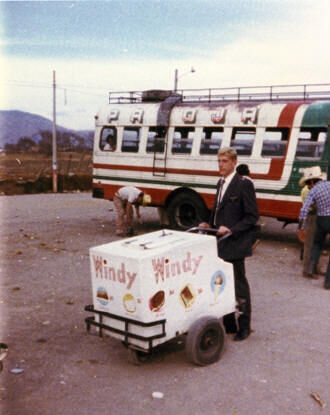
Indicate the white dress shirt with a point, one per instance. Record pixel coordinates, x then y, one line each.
227 179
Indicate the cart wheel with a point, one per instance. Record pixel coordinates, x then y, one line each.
138 357
205 341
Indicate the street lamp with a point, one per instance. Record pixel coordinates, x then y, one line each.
176 77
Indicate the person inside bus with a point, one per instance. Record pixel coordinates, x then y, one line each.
234 215
311 176
124 200
111 143
319 196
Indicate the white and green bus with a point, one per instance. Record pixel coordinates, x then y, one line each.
166 144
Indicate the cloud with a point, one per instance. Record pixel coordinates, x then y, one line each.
287 52
292 51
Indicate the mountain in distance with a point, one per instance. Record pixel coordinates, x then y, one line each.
16 124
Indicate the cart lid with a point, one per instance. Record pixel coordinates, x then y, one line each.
156 240
152 243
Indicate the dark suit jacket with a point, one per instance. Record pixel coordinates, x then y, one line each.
238 211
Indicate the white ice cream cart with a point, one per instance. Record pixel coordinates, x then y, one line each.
154 287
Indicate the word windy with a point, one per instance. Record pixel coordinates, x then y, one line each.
120 275
164 268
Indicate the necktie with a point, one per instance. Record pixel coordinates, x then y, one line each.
222 182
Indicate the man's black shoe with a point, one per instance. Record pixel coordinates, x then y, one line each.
241 335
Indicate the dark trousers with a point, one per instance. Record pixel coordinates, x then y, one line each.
322 229
242 291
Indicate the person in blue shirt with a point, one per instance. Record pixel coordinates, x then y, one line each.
311 176
319 196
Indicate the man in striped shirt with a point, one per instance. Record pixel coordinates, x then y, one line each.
320 197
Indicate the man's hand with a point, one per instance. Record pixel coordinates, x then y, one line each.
223 230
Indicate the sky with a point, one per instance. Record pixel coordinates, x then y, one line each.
119 45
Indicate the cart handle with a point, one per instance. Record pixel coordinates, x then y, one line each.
208 230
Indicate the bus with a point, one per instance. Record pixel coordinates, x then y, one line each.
166 144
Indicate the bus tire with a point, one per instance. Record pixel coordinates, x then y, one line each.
205 341
186 210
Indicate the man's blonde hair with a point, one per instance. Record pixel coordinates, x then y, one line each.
229 152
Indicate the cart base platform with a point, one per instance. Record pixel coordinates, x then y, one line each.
126 332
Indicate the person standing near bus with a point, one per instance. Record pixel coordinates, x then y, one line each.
310 177
235 214
320 197
243 170
124 200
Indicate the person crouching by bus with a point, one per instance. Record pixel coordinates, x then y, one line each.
311 176
124 200
235 214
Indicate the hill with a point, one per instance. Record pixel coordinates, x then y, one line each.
17 124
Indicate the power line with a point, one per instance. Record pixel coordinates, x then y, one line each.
77 89
47 85
81 92
26 84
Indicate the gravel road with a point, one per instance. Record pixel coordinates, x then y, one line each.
45 284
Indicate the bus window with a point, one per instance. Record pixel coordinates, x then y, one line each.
182 140
108 141
311 142
131 139
242 140
274 142
156 140
211 140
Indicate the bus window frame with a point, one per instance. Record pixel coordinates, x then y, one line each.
243 141
161 139
138 128
105 127
189 142
203 141
313 141
284 139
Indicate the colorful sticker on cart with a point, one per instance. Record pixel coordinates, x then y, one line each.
187 296
157 301
218 282
129 303
102 296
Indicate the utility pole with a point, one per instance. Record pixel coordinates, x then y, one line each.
176 77
54 144
175 80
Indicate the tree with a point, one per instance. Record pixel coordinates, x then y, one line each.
45 144
24 144
10 148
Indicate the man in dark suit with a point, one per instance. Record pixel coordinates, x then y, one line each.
235 214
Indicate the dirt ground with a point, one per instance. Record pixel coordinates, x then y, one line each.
282 368
26 173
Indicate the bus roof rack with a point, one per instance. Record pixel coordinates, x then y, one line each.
298 92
